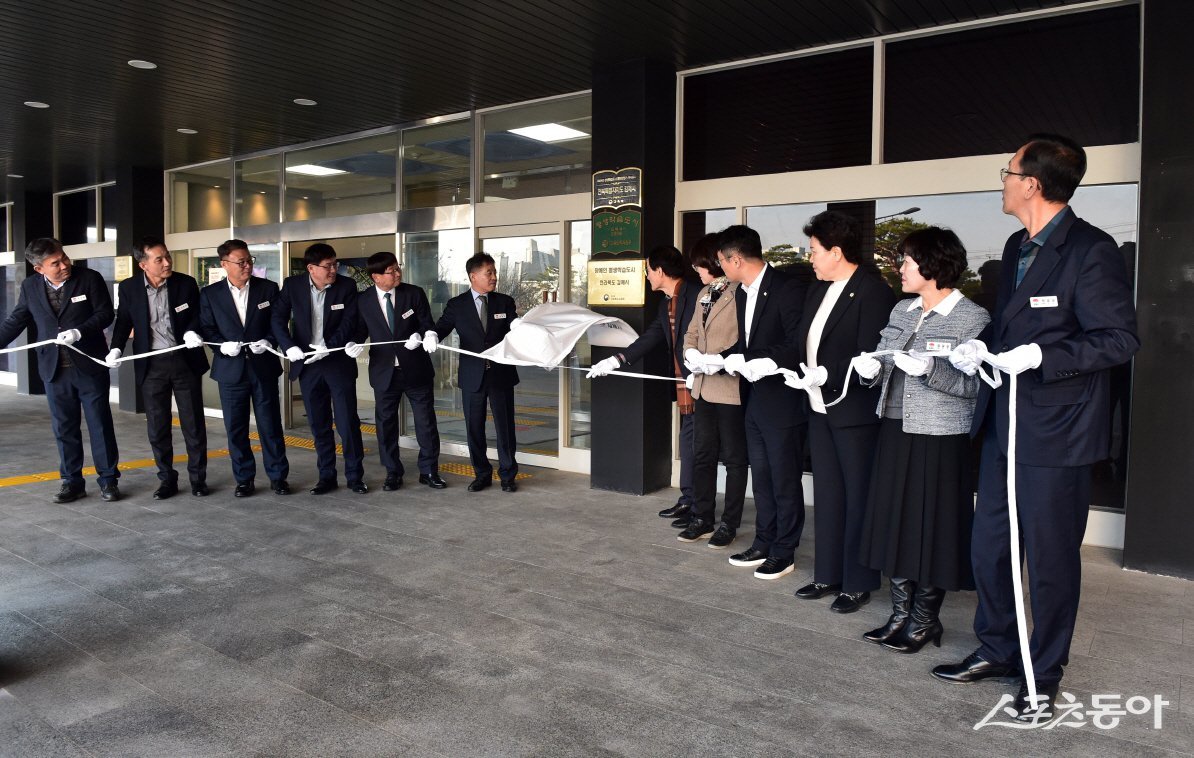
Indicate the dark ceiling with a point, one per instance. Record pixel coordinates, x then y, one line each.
231 70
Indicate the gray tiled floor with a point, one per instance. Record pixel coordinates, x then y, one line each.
556 621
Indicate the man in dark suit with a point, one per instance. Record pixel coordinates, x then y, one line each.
75 306
324 310
770 304
236 313
389 311
666 269
160 308
482 318
1063 318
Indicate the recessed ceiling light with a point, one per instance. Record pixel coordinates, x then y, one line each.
262 192
549 132
135 63
215 186
16 176
36 104
304 101
306 198
311 169
186 131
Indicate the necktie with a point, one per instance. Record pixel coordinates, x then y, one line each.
390 310
483 310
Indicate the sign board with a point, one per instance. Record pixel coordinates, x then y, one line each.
123 268
614 282
618 189
617 232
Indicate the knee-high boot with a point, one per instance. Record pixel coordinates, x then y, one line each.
924 624
901 605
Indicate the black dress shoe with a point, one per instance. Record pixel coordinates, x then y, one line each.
244 489
360 487
973 668
1042 710
391 483
682 522
748 558
324 486
280 486
433 481
675 511
111 493
166 491
480 483
199 489
697 529
69 493
817 590
848 602
509 487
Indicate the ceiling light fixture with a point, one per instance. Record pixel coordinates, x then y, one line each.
304 101
16 176
311 169
146 65
186 131
549 132
36 104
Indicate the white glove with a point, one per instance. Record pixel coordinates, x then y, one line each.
694 360
734 363
413 342
689 380
113 356
259 347
711 363
758 368
814 376
514 324
191 339
320 353
431 341
295 354
1018 359
230 348
966 357
912 365
353 350
603 367
794 380
866 366
68 337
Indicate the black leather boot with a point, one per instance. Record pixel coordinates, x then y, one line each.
901 605
923 624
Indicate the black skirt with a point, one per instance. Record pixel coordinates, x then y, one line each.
920 508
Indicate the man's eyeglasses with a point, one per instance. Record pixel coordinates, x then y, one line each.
392 272
1005 173
242 262
326 266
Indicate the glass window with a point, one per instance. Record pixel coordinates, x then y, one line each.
77 217
9 293
106 267
780 229
964 93
794 115
5 229
435 164
257 190
199 198
108 211
696 224
578 388
538 150
344 179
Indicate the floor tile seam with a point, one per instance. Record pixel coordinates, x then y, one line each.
35 713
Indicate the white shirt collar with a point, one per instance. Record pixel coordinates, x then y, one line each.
754 286
944 307
236 289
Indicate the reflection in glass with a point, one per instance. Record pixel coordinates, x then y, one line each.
9 293
257 190
199 198
344 179
578 388
435 164
538 150
77 217
696 224
780 229
108 211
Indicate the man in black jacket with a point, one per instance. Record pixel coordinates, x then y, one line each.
389 311
236 313
161 309
75 306
482 318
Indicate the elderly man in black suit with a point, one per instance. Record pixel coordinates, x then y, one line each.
389 311
236 313
160 308
1063 319
324 310
74 305
482 318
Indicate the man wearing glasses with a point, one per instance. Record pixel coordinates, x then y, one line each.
236 314
393 311
317 311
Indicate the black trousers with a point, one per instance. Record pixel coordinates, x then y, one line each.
235 399
72 395
422 408
775 453
1053 505
501 401
687 446
842 462
329 394
719 432
168 376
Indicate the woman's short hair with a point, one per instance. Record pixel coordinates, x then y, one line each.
938 253
704 254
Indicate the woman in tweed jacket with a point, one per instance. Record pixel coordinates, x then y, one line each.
921 503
